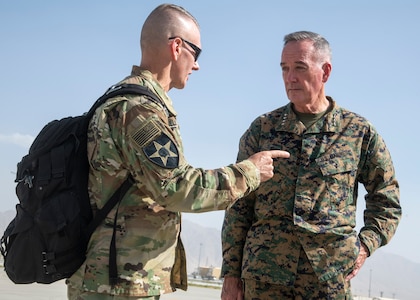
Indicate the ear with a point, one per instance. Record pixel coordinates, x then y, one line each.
175 48
326 67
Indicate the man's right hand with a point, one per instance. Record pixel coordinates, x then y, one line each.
232 289
264 162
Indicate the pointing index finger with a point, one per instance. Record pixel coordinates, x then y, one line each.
279 153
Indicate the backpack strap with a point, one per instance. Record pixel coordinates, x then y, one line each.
123 89
116 197
117 90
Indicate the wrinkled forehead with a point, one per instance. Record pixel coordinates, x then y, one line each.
296 51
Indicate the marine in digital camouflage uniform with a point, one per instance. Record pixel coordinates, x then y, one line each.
294 237
133 135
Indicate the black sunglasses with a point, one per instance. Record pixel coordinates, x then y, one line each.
196 49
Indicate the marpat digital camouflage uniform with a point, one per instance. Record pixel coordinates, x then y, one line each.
133 135
310 203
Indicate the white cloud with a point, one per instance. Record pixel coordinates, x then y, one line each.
22 140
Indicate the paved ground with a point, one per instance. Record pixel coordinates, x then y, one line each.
57 291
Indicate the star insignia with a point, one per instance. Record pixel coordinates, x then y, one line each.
163 152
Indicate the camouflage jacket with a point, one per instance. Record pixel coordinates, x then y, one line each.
310 203
131 134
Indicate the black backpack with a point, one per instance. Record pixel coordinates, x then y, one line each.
47 239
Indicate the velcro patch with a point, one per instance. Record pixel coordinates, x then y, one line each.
163 152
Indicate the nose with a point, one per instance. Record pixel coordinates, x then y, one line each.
196 66
289 76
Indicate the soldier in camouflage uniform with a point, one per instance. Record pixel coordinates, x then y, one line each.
132 135
294 237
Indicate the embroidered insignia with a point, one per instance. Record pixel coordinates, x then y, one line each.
163 152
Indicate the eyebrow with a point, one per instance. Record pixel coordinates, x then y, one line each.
299 62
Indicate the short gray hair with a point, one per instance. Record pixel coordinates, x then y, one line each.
321 45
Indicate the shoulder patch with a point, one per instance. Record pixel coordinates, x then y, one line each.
163 152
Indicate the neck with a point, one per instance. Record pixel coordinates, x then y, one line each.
160 75
318 106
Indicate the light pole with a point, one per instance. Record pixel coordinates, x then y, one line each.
199 258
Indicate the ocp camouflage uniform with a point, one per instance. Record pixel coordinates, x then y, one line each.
131 134
310 203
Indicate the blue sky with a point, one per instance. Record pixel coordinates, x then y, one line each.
57 57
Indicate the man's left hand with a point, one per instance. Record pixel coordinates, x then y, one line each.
363 254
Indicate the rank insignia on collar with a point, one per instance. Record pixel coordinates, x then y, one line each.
163 152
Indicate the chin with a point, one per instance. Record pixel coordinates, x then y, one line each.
178 86
182 85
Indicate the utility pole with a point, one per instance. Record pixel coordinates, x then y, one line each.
370 280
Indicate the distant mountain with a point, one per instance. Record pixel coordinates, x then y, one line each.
388 275
5 218
202 245
384 275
